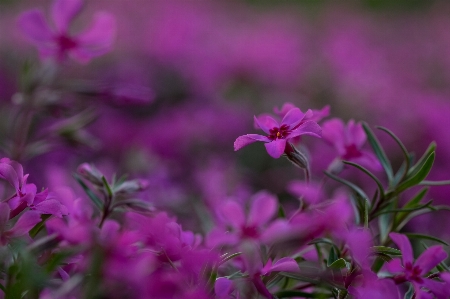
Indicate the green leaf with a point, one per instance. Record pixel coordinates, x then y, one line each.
97 201
371 175
417 176
435 183
402 147
107 186
417 208
339 264
366 213
426 237
281 212
384 223
413 203
352 186
414 169
410 293
39 226
386 250
379 151
332 257
229 257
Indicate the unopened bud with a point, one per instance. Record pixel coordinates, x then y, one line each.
90 173
131 187
298 158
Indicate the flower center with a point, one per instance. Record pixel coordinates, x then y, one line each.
65 43
351 151
279 133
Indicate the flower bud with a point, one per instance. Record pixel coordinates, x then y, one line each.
90 173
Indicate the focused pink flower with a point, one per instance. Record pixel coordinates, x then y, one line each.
416 271
278 135
57 43
348 141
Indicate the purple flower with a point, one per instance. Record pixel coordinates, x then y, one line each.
279 134
22 227
416 271
57 43
348 141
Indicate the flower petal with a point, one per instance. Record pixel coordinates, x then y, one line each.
232 213
8 173
33 25
293 117
97 40
223 287
404 245
356 134
264 207
430 258
25 223
63 11
333 133
395 266
4 215
244 140
266 122
276 148
307 128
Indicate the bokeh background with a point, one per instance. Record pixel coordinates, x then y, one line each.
186 77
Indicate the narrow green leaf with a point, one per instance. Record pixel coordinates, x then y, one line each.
414 202
281 212
416 167
366 213
371 175
402 147
229 257
426 237
97 201
435 183
410 293
400 210
418 176
352 186
386 250
39 226
332 257
379 151
107 186
384 224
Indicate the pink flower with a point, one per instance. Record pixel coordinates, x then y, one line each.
22 227
279 134
57 43
348 142
416 271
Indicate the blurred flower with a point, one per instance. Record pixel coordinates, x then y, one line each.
22 227
348 141
57 43
415 272
278 134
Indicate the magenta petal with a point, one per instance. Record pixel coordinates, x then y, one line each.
333 133
284 109
9 174
53 207
33 24
285 264
439 289
404 245
307 128
356 133
430 258
223 287
276 148
266 123
264 207
218 237
293 117
244 140
232 213
63 11
98 39
26 222
395 266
